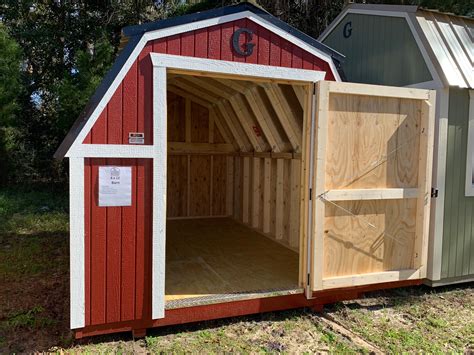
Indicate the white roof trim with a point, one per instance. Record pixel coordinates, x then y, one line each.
170 31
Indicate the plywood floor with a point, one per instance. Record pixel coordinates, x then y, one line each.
212 256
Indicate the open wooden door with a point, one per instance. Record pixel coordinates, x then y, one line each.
372 161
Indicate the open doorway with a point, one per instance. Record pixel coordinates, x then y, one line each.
233 189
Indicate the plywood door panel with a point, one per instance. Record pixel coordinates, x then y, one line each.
352 246
367 131
379 144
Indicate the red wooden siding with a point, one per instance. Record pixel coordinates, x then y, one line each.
118 248
133 97
118 254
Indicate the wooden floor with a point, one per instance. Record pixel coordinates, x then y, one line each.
220 256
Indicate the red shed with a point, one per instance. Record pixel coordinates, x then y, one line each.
191 174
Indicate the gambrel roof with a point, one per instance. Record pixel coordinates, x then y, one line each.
135 37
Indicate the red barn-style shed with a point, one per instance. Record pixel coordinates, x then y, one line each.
191 172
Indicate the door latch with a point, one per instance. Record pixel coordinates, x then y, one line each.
434 192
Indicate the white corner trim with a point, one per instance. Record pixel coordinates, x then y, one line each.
214 66
166 32
470 148
159 192
435 245
76 242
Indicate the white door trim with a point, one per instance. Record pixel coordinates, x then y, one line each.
161 63
159 192
213 66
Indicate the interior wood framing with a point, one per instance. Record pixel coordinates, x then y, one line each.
372 185
230 154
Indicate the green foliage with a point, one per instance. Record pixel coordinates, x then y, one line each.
34 210
10 76
77 86
11 88
458 7
33 229
28 319
67 48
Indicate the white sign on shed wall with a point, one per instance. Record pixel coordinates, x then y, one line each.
115 186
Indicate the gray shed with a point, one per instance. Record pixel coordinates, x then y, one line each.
415 47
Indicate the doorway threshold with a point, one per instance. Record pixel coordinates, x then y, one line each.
229 297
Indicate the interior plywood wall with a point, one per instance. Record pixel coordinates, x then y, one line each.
267 196
197 181
208 177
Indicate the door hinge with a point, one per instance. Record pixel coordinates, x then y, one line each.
307 280
434 192
310 194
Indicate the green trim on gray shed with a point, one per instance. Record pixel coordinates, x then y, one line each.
379 50
458 240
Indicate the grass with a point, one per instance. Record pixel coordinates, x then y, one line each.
296 331
34 307
27 319
33 227
31 211
414 320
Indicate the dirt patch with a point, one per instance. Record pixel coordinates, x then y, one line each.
34 293
291 331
